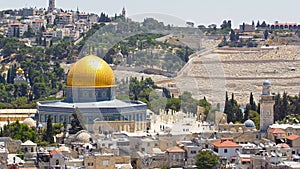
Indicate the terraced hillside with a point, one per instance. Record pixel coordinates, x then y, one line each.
242 72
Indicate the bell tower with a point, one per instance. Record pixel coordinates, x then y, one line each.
267 102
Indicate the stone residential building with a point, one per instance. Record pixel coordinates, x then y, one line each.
294 142
37 24
276 134
226 148
11 145
108 161
57 159
3 154
191 150
16 29
29 147
64 18
175 157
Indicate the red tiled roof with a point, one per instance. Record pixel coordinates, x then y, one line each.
175 150
64 14
276 131
292 137
226 144
54 151
37 21
246 160
285 24
69 25
15 24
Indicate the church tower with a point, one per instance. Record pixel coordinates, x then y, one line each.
51 5
124 12
267 102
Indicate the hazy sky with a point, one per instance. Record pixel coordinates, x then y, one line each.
199 11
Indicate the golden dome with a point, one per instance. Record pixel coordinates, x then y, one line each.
91 72
20 71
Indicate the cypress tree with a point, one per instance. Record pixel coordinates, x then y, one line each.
258 108
226 104
247 112
76 125
49 131
297 110
232 99
8 78
252 102
277 109
238 114
284 107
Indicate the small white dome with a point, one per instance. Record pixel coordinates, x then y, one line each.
249 123
83 136
29 122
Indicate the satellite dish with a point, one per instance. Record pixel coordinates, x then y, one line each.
273 154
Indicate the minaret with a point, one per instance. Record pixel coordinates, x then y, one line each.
51 5
266 107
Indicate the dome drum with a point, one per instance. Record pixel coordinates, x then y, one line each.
89 94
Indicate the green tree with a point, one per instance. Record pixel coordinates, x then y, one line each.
297 109
258 24
239 116
206 105
255 117
277 107
173 104
57 128
284 107
232 109
39 90
232 35
247 112
18 131
206 160
226 103
76 122
263 25
157 102
188 103
252 102
49 133
266 34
